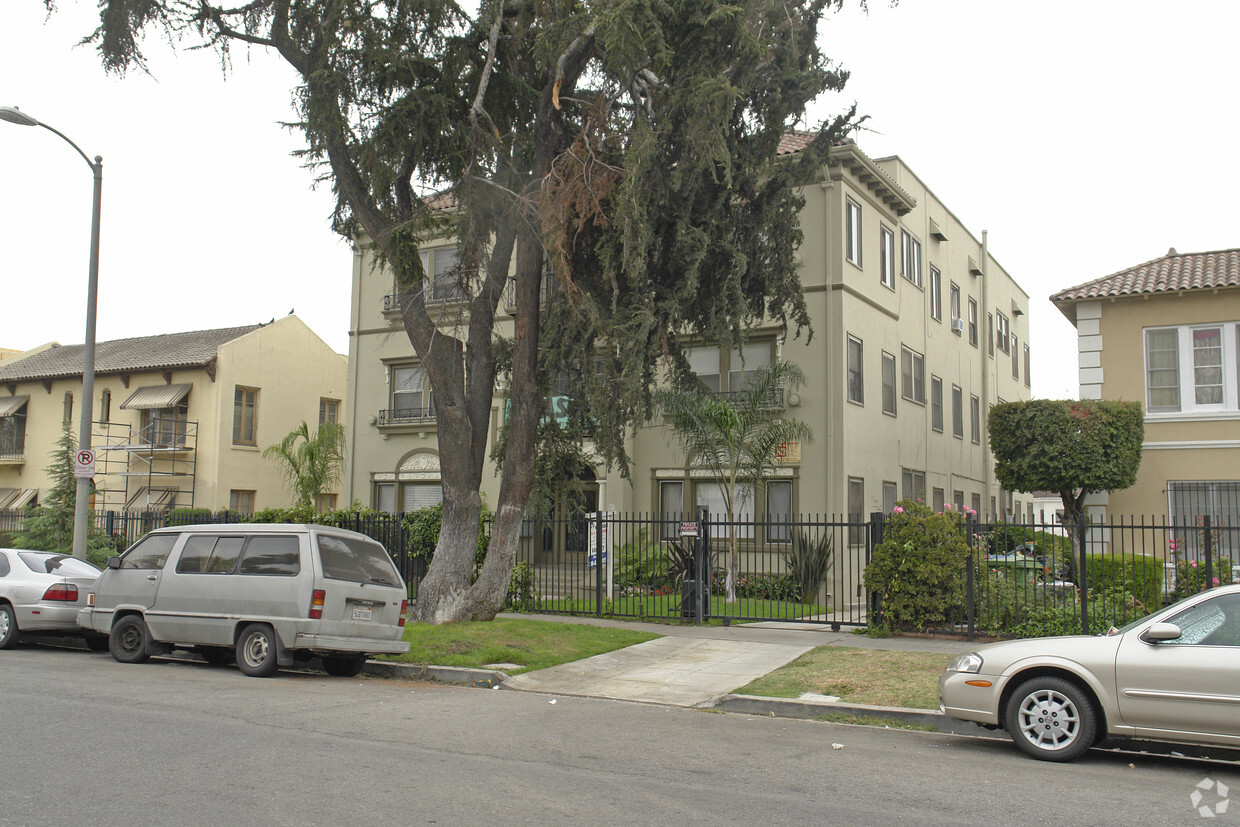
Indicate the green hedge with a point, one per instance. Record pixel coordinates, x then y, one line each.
1139 577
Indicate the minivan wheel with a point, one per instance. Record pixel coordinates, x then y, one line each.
128 640
344 666
256 651
9 633
1051 719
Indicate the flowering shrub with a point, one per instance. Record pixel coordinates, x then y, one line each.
918 570
1190 575
757 586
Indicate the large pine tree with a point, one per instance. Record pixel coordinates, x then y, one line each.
631 147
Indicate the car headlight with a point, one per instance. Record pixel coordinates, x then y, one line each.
972 663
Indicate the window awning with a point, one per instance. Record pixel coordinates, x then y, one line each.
10 405
7 495
156 396
23 498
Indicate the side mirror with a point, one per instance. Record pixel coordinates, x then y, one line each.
1160 632
114 562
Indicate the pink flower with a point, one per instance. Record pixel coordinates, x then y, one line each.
899 510
1216 581
1193 564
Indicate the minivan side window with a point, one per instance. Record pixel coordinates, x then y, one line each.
277 554
149 552
361 561
4 565
209 554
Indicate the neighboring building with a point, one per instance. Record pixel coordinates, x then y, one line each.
180 420
918 331
1167 333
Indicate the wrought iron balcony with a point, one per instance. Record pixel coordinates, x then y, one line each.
406 416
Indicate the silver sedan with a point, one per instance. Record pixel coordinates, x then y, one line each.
1171 676
42 592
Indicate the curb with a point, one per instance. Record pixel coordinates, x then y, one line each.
798 708
481 678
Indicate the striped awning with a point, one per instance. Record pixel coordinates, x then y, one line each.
156 396
10 405
23 498
151 499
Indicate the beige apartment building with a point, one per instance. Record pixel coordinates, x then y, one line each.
918 330
180 420
1167 333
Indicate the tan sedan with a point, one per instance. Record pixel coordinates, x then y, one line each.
1171 676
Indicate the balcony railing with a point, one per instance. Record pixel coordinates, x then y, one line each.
772 401
406 416
13 446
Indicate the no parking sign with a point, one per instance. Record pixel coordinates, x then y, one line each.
84 464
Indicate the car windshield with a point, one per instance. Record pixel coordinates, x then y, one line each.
62 564
356 559
1164 610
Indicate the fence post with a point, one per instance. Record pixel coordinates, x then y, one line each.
876 537
1082 574
598 562
701 606
971 529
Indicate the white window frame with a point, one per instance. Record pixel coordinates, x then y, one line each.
912 375
910 257
887 257
936 294
957 412
972 321
954 305
890 392
852 231
1002 332
856 368
936 403
1186 372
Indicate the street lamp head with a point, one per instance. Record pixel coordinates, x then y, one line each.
14 115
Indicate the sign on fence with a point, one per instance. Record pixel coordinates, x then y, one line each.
597 544
688 529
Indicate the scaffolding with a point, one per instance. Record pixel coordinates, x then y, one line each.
150 468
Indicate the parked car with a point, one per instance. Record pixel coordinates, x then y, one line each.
1171 676
42 592
262 595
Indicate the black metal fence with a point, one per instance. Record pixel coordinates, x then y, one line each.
1015 580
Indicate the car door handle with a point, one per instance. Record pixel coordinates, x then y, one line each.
152 577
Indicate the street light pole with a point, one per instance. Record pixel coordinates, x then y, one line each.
81 512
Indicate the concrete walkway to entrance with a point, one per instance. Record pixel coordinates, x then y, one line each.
695 665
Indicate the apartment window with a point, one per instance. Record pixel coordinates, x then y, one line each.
67 415
954 301
936 403
889 383
1028 377
913 376
856 510
105 406
13 427
975 419
245 410
957 412
958 499
418 495
671 508
889 496
856 376
329 410
704 362
1189 501
779 511
936 294
910 260
411 398
887 257
165 427
973 322
914 483
241 501
444 276
937 499
744 362
1192 368
990 334
710 494
976 503
385 497
852 212
1002 333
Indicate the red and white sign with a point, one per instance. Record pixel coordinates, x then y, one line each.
84 464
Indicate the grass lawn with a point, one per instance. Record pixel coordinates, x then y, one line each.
533 644
863 676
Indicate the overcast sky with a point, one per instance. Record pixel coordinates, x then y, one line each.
1087 137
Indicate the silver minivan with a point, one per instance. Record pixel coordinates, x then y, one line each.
264 595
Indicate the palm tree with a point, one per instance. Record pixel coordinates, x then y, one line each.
735 437
310 464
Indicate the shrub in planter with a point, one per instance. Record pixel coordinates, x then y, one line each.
918 570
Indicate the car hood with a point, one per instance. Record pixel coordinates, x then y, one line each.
999 657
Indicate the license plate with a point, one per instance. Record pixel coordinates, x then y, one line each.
362 612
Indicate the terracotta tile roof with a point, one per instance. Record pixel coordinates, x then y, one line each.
1173 273
167 351
793 142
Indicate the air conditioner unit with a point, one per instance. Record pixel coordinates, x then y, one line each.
958 325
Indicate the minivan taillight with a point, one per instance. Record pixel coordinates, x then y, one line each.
317 598
61 591
404 607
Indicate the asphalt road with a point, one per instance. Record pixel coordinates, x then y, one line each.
84 739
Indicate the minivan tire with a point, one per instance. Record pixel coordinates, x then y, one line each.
257 654
128 641
344 666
